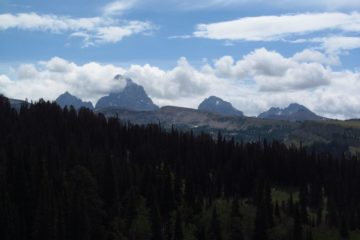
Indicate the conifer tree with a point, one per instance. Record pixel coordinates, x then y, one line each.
236 231
215 226
260 225
344 232
178 231
297 223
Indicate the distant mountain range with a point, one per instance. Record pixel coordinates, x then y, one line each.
66 99
133 97
294 112
293 124
217 105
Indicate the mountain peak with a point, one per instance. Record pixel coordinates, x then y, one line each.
118 77
67 94
296 106
67 99
294 112
128 81
217 105
132 96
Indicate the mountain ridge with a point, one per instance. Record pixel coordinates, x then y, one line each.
217 105
67 99
293 112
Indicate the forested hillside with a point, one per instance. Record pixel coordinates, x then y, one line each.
77 175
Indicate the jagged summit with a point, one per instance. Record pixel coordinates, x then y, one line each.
217 105
294 112
133 97
67 99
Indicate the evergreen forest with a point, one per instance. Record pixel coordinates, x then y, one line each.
77 175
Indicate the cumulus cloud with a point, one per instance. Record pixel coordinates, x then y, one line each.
181 81
93 31
310 55
269 28
253 83
273 72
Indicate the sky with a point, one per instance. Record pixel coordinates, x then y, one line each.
253 53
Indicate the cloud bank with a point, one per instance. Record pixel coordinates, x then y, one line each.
255 82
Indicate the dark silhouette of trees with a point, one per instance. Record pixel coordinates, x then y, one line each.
67 174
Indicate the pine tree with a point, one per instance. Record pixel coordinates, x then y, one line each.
319 216
268 205
297 223
260 226
178 231
236 231
309 235
45 224
303 204
215 226
8 225
156 225
344 232
277 210
290 205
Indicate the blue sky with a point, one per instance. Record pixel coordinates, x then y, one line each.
252 53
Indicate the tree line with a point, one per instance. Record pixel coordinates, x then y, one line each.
67 174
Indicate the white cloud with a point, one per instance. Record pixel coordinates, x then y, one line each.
310 55
93 31
115 34
282 4
273 72
333 32
336 44
181 81
254 83
118 7
322 4
48 79
5 82
93 80
201 4
291 5
51 23
270 28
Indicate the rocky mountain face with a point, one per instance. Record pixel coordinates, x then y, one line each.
215 104
66 99
294 112
133 97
